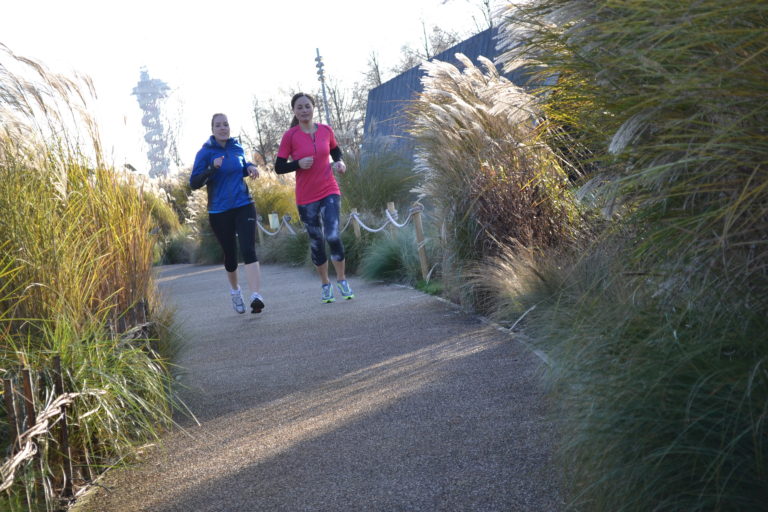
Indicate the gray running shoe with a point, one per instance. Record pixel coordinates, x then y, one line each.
345 289
327 295
237 301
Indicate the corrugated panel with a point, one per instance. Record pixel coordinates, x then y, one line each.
385 120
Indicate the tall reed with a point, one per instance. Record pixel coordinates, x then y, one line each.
678 107
77 236
483 167
657 330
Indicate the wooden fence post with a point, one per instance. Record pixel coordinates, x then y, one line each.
10 407
420 241
274 221
31 421
29 402
355 225
258 230
393 213
66 455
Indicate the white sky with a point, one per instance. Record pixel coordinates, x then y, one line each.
215 56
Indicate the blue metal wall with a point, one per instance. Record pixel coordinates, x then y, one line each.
385 119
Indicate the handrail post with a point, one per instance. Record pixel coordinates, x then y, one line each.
420 241
393 213
66 454
10 406
274 222
29 402
355 224
258 230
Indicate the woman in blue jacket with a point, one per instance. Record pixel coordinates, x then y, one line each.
221 166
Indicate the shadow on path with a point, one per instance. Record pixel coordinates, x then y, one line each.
393 401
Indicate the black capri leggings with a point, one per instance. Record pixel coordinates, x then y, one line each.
237 221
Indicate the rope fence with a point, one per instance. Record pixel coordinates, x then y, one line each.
414 214
35 406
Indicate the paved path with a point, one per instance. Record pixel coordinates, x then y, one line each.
394 401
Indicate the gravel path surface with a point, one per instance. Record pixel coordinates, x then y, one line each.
393 401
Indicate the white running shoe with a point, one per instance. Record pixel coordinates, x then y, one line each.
237 301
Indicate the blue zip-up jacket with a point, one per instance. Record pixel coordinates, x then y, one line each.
226 187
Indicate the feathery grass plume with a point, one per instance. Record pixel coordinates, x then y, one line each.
576 121
77 236
164 219
680 91
483 166
659 331
177 189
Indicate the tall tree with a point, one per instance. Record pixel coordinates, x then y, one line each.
372 77
347 109
270 121
434 41
487 8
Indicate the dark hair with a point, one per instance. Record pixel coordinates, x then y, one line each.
214 118
295 98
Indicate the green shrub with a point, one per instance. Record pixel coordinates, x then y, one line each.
379 179
354 248
394 257
286 249
272 195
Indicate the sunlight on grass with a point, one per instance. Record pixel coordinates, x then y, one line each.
77 236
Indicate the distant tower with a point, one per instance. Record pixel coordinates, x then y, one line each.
149 92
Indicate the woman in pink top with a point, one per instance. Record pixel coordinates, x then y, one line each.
311 146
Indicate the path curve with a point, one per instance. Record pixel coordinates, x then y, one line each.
393 401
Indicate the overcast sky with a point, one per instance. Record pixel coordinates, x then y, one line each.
215 56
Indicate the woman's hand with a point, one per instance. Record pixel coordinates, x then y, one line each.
339 166
253 171
306 162
218 161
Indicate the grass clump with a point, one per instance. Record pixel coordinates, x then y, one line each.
77 255
372 182
662 399
286 248
273 195
483 168
393 256
656 329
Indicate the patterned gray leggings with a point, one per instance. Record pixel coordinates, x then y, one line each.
321 219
